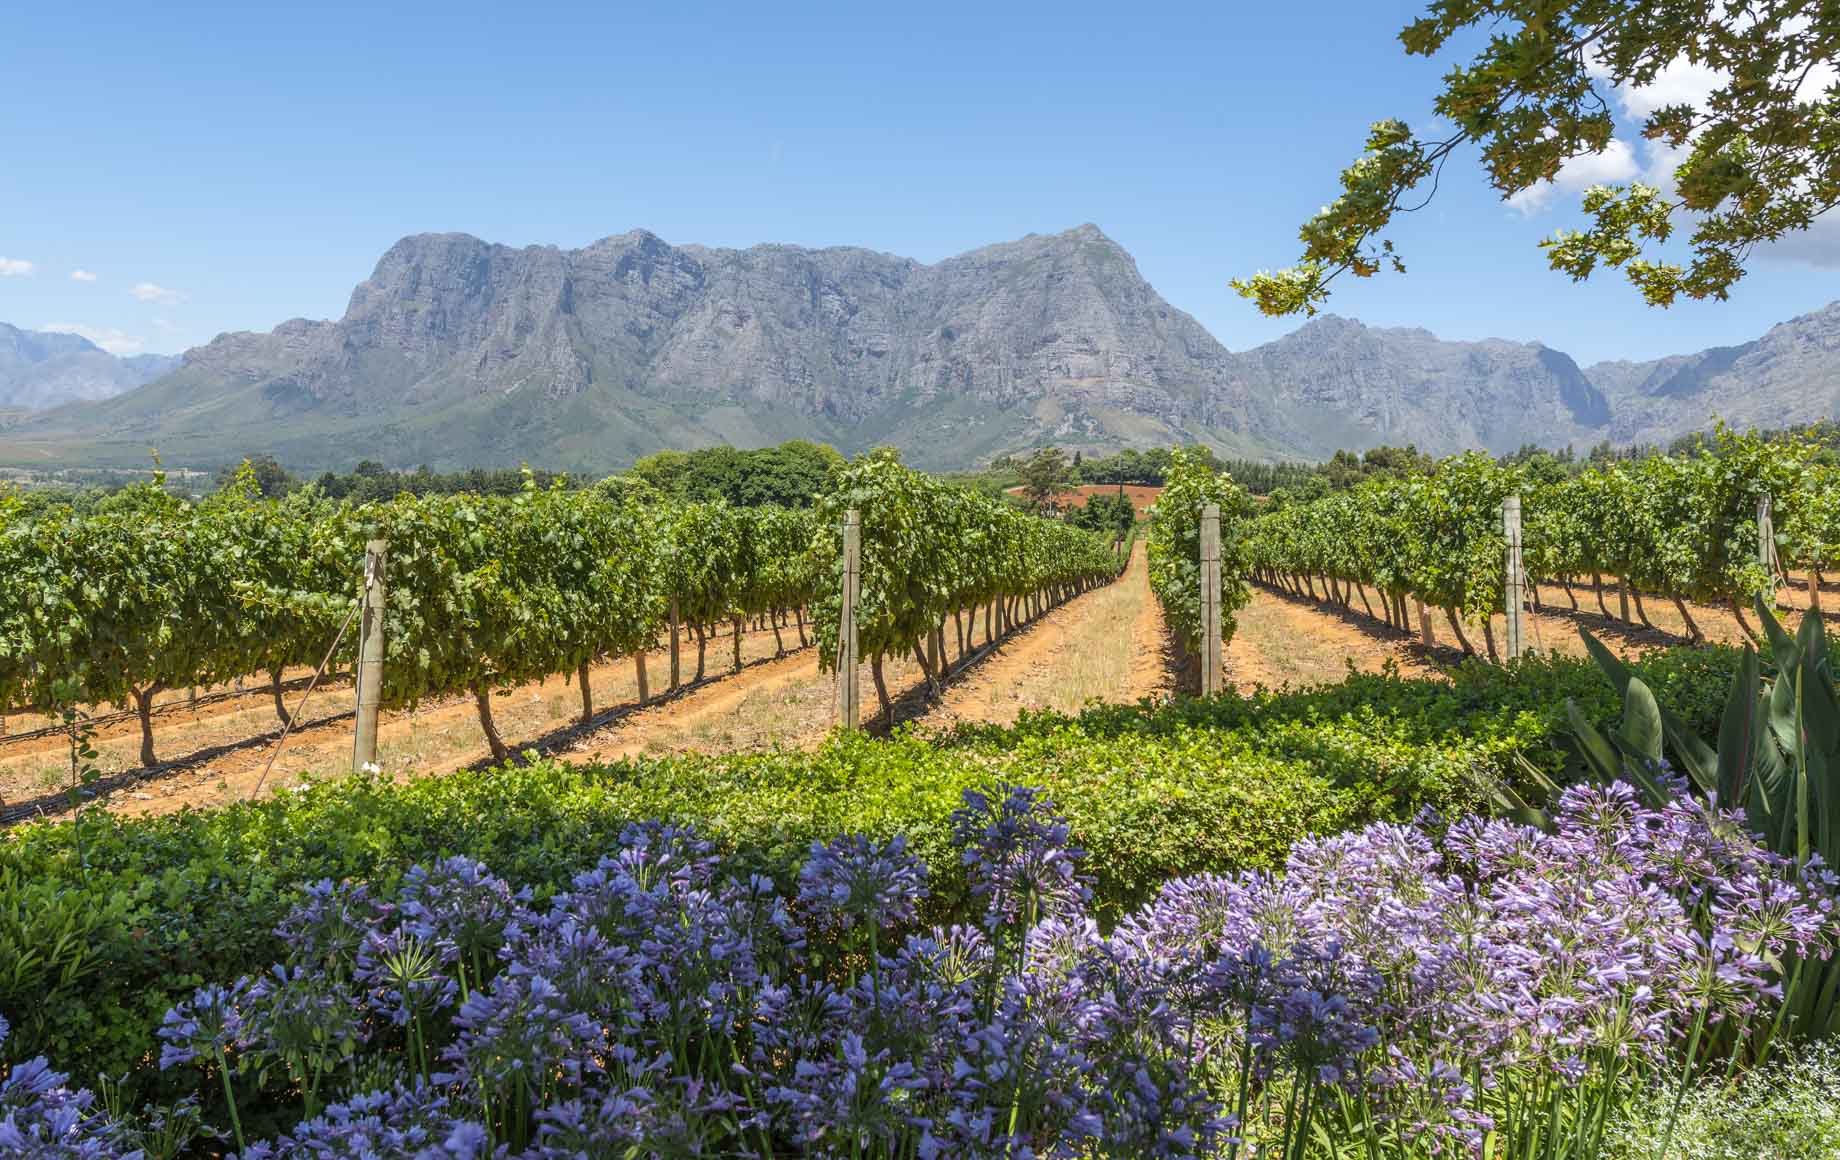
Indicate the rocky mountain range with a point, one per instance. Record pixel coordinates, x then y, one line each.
1791 375
42 368
461 352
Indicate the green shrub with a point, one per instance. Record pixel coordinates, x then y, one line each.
1787 1110
1497 711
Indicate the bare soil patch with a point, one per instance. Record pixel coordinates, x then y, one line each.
1286 640
1105 645
1143 496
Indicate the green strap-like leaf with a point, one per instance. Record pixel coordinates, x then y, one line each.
1782 646
1697 759
1738 732
1599 755
1641 726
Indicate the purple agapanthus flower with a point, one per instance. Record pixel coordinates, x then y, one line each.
419 1123
1017 857
207 1024
855 880
42 1118
1428 975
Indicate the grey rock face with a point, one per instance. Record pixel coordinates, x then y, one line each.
1789 376
835 332
1048 335
457 351
1338 383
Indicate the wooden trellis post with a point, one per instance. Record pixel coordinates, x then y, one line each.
1210 600
370 656
1515 580
1425 630
849 694
1766 548
676 671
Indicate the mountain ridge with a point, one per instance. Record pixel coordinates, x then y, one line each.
459 351
40 369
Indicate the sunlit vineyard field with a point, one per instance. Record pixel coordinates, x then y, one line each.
1379 898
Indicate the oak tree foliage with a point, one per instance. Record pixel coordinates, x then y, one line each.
1758 158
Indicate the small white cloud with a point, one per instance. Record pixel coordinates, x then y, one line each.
1680 82
81 275
1818 245
114 341
1617 162
15 267
1683 82
1531 200
154 292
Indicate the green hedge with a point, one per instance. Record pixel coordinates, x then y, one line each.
104 922
1494 710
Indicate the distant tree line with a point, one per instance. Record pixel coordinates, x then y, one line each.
1149 468
1111 512
789 475
1048 472
371 481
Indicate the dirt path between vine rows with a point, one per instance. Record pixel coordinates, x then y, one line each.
1092 646
1283 640
1286 639
1103 645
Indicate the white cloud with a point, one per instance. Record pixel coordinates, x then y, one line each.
1616 163
1818 245
108 338
15 267
81 275
1685 83
154 292
1681 82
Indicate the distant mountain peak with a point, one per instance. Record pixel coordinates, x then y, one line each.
39 345
41 369
458 351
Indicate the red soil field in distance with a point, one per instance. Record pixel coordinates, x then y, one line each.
1142 495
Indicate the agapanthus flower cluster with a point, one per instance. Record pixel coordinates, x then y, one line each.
855 880
1408 981
43 1118
461 904
329 925
1016 853
1508 954
415 1122
208 1024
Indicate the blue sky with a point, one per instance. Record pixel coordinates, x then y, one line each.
227 167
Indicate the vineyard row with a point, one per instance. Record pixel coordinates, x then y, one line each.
151 592
1685 528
